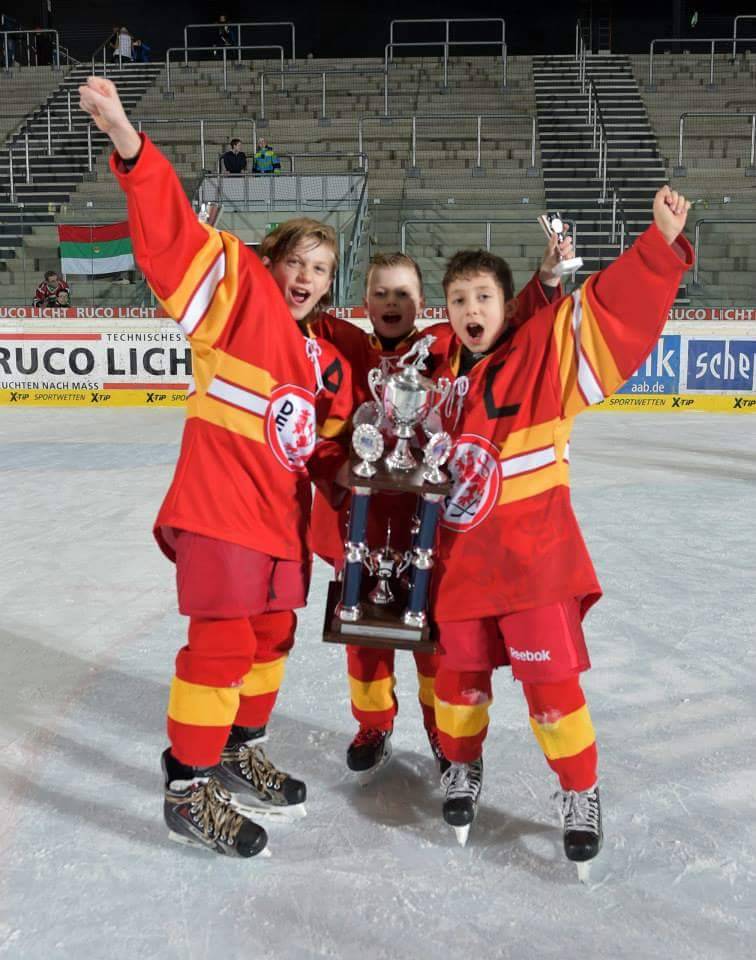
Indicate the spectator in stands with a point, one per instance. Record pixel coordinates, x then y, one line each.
140 51
8 46
235 160
124 47
227 34
50 290
266 158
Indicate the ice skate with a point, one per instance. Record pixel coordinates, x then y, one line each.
254 783
580 813
437 750
198 812
462 783
368 753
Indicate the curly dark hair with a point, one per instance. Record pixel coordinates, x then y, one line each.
467 262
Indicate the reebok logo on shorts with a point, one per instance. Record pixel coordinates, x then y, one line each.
540 656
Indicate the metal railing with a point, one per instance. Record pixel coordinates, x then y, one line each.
600 139
324 157
580 54
388 56
323 74
348 258
238 46
448 22
486 222
697 241
712 41
681 171
269 46
743 16
285 191
478 117
28 34
201 122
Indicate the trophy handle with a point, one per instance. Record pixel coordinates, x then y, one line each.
406 561
376 379
442 387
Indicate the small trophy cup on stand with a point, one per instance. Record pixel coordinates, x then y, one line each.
394 613
552 224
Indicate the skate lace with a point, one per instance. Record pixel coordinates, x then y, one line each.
435 745
368 736
261 773
579 810
211 810
462 780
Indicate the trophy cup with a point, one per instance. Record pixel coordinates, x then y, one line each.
384 564
552 223
393 614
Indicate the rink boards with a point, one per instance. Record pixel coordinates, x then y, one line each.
125 357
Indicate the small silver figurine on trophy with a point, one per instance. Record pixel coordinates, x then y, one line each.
437 452
552 224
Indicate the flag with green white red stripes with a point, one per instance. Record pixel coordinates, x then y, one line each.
95 248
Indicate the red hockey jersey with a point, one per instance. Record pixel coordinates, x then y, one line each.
509 539
364 352
256 410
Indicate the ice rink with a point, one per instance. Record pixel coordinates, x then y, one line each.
89 633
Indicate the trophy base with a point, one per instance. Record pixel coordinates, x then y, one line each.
410 481
380 626
565 267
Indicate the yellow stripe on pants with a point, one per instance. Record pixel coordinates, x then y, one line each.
200 706
568 736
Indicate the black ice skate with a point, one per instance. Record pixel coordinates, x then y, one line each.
369 752
462 783
437 751
199 812
580 812
253 781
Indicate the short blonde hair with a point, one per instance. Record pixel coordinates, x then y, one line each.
289 234
381 260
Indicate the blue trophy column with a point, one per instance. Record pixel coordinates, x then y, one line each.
349 608
422 560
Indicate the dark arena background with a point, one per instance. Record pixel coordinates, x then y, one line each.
424 128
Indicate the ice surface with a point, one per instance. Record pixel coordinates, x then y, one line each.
89 632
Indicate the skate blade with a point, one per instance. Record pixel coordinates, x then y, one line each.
365 777
462 834
190 842
296 811
584 871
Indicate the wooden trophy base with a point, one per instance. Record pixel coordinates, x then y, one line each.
380 626
404 481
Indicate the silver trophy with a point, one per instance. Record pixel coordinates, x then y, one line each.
384 564
552 224
407 398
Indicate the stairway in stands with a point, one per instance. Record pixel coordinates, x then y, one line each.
59 163
570 160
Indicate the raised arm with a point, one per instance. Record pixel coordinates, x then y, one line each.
192 268
608 327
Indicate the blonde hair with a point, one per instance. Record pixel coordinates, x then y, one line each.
381 260
288 235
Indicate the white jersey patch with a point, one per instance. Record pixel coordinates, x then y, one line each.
290 426
474 469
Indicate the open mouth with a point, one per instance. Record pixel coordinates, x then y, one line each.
474 331
299 295
391 318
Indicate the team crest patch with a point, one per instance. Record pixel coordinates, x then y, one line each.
290 425
476 479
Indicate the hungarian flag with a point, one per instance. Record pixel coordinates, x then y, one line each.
94 249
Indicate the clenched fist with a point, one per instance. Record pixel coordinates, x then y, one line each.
99 98
670 212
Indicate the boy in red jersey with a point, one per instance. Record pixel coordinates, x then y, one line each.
236 516
513 577
393 301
